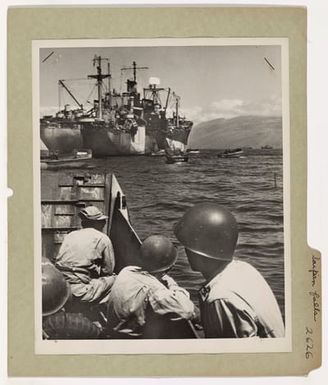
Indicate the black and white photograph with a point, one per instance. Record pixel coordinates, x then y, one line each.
162 222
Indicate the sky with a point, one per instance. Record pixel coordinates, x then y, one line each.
212 81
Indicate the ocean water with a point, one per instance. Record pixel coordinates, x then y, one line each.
251 187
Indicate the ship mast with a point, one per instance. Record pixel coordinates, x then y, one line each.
167 98
177 98
154 92
109 76
99 77
134 68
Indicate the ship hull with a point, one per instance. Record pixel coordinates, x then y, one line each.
63 139
156 139
179 135
106 141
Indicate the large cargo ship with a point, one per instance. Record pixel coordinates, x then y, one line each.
126 123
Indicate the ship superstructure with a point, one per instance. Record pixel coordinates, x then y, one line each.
124 123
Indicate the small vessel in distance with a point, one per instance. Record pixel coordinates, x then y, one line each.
231 153
78 159
158 153
170 159
176 156
193 151
266 147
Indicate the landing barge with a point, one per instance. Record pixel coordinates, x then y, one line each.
61 200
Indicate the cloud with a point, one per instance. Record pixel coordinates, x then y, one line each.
230 108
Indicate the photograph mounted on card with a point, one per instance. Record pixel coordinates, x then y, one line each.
224 125
164 214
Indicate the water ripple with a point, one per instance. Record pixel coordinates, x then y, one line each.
158 194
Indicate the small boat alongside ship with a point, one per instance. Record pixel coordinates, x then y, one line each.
193 151
158 153
79 159
231 153
126 123
176 155
170 159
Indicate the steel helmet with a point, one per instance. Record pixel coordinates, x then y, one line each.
208 229
157 253
55 289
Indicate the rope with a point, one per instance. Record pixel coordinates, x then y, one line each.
87 99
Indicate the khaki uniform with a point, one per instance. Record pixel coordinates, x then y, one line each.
135 290
238 303
86 258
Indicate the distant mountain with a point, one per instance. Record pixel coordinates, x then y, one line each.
241 131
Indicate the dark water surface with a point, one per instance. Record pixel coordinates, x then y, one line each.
158 194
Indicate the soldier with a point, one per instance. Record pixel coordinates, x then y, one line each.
236 301
147 292
56 322
86 259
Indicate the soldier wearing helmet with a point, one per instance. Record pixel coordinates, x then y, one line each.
86 258
139 289
55 289
57 323
236 301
